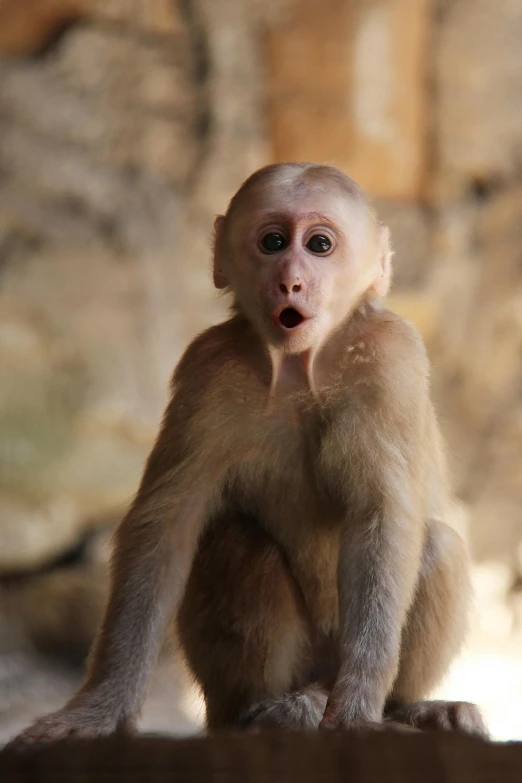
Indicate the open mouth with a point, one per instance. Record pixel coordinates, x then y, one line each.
290 318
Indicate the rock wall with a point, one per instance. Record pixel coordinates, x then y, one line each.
126 125
117 144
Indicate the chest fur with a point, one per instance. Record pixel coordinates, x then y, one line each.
282 485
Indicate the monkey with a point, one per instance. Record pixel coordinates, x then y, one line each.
292 518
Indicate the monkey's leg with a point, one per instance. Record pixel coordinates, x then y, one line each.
432 636
244 631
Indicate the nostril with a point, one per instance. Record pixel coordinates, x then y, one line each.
283 288
296 287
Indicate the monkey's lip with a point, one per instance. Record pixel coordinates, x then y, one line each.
289 318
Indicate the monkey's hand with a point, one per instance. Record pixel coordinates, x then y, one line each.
338 715
365 726
78 720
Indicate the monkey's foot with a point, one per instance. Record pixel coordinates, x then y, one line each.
442 716
302 709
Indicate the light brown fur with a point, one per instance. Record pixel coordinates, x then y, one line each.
292 513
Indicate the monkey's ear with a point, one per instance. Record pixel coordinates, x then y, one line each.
220 279
383 279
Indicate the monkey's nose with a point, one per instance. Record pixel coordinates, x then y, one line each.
286 290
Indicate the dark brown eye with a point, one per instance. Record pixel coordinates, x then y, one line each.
319 244
273 242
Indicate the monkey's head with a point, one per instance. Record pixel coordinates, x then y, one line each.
300 248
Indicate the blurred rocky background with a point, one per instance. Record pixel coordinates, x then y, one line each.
125 126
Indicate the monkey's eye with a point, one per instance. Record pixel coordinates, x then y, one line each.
319 244
273 242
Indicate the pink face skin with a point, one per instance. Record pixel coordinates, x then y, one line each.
301 259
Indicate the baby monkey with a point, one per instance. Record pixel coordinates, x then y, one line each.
292 514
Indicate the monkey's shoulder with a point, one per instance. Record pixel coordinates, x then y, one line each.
397 339
386 353
219 356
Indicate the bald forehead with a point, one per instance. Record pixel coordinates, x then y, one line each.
296 173
288 193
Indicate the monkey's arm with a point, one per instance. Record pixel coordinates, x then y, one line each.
153 552
154 548
377 574
380 553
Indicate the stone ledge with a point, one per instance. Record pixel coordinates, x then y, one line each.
263 758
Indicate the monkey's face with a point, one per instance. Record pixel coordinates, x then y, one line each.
298 260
